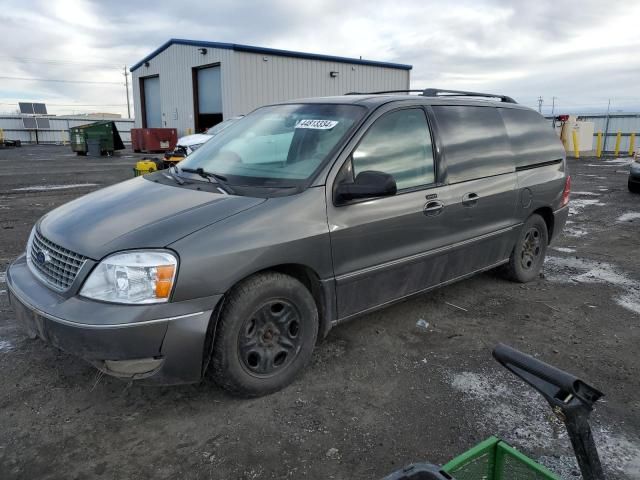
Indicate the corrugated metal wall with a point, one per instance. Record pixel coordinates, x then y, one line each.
259 81
13 129
248 81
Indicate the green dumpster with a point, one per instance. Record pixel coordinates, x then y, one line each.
103 137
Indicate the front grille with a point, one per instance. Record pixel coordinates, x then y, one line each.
61 265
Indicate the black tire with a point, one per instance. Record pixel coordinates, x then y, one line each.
265 336
633 187
529 251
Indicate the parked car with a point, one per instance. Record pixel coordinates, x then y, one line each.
190 143
297 217
634 175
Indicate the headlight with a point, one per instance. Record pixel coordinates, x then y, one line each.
134 277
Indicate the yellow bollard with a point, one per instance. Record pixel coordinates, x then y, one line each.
632 144
1 135
618 137
576 147
189 131
599 145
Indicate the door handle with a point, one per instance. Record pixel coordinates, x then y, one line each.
470 199
433 208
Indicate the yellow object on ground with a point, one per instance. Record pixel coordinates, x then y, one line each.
599 145
143 167
618 137
576 146
632 144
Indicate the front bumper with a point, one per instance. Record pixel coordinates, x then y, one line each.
161 343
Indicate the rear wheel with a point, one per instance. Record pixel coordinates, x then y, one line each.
265 336
529 251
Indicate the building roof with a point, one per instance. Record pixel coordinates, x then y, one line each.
267 51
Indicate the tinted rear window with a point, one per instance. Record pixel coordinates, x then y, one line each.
532 138
475 142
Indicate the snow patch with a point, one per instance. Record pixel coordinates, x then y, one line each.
583 270
629 216
564 249
5 346
40 188
576 206
3 277
574 232
591 194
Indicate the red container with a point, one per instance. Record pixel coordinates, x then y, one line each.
153 140
136 139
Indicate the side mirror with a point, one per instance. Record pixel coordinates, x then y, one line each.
367 184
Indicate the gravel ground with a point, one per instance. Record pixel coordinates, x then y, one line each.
381 391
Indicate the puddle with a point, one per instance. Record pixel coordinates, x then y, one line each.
40 188
508 408
577 205
629 217
583 270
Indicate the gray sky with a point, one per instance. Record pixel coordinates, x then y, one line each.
583 52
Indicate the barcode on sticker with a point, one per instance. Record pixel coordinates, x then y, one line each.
317 124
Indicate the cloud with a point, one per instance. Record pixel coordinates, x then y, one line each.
578 51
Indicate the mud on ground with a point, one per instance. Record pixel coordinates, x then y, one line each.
381 392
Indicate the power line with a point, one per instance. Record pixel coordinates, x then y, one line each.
59 81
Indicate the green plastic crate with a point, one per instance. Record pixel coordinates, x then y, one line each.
495 459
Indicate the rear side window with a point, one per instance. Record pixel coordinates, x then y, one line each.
533 141
475 142
398 143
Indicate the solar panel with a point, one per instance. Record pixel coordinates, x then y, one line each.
40 109
29 123
42 123
26 108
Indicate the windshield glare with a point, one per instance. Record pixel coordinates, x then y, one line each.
276 145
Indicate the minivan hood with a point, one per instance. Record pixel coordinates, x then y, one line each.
137 213
195 139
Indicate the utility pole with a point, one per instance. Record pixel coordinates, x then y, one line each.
126 86
540 104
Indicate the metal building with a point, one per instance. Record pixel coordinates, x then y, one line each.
192 85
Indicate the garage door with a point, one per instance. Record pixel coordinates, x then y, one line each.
208 97
152 110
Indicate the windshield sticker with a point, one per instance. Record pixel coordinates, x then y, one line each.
317 124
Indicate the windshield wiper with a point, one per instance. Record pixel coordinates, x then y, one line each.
178 180
220 179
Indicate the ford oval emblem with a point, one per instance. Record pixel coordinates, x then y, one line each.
42 257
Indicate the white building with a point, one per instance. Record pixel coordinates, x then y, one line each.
188 84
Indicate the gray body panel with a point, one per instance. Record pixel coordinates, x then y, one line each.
358 256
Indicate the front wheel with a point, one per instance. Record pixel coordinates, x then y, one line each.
265 336
529 251
633 187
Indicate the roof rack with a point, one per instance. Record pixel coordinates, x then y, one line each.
437 92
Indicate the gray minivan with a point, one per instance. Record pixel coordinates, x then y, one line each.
297 217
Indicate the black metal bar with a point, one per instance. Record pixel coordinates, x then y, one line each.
438 92
577 423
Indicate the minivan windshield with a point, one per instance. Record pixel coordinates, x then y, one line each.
280 145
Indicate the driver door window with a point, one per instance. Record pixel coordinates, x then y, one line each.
399 143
